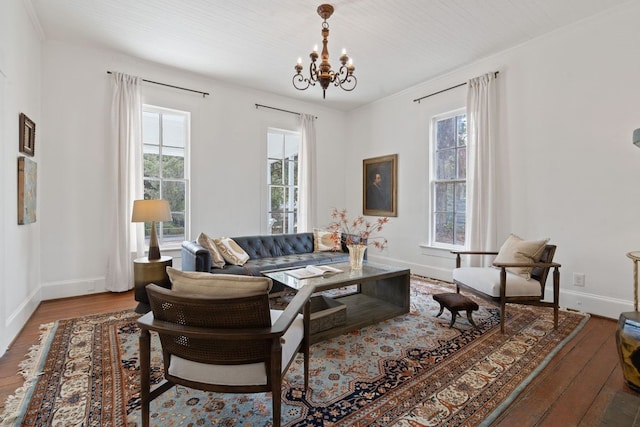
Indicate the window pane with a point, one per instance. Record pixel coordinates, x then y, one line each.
444 227
462 130
289 177
173 130
151 158
174 230
444 195
276 199
275 176
151 189
460 197
150 128
462 163
460 223
172 166
446 164
445 133
275 145
277 223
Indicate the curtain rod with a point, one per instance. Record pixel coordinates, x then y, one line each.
175 87
495 74
280 109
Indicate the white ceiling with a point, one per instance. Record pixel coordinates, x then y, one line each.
394 44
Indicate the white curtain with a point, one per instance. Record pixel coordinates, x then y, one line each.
124 158
481 171
307 193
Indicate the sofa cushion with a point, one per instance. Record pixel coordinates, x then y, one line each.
217 260
517 250
217 285
231 252
326 240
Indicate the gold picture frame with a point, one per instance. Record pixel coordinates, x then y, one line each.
380 186
27 135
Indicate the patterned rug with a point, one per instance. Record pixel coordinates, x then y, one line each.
412 370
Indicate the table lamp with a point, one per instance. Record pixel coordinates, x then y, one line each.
151 210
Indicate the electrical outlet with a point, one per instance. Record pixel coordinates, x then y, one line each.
578 279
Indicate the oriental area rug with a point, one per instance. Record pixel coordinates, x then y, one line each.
412 370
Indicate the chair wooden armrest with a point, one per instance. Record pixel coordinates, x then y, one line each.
299 303
458 253
527 264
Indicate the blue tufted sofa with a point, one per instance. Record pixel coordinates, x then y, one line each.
268 252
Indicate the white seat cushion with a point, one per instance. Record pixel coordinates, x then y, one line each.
487 281
249 374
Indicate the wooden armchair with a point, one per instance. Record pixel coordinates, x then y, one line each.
228 345
502 286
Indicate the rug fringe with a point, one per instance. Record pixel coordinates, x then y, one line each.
29 368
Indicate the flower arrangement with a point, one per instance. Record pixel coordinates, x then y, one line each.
357 231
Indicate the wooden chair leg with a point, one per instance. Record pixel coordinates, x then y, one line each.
556 296
441 310
276 398
145 374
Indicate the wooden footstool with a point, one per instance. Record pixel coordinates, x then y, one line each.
455 303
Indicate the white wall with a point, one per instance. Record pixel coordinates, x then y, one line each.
568 106
20 78
228 157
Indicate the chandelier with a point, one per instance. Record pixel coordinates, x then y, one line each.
323 73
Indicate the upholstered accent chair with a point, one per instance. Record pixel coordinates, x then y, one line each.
518 282
229 344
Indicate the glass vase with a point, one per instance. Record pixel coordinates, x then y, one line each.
356 255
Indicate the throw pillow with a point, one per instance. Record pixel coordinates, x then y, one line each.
216 257
517 250
326 241
217 285
231 252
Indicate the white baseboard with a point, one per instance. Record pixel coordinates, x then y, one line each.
72 288
18 318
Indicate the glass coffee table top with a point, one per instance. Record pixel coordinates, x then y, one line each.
370 271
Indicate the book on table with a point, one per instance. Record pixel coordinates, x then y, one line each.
312 271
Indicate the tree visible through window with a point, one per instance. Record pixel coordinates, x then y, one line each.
165 136
282 181
449 174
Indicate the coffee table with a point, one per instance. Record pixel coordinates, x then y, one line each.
382 293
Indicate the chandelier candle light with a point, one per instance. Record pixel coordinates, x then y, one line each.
323 73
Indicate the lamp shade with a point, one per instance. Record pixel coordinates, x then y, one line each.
150 210
636 137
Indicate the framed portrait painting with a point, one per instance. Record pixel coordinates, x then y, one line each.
380 186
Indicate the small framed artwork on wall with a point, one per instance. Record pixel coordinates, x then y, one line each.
379 186
27 135
27 190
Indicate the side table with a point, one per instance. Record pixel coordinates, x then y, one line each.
147 271
628 334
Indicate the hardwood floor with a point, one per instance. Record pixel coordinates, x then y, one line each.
573 390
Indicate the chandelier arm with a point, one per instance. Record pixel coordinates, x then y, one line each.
299 82
313 72
346 80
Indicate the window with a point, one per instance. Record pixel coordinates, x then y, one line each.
166 138
282 181
448 180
